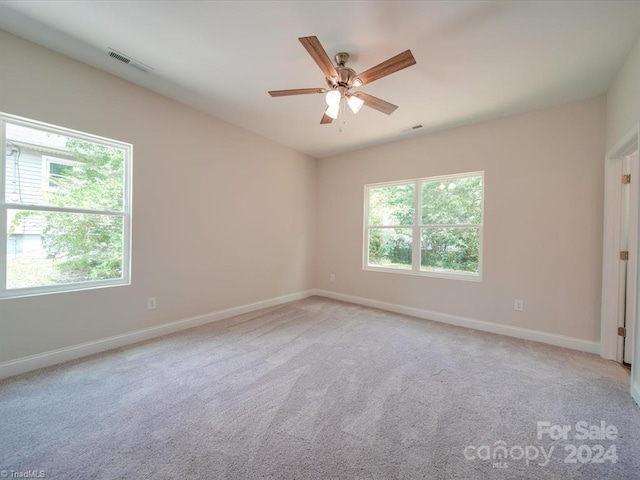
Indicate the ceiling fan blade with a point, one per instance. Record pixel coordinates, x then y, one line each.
400 61
326 119
297 91
377 103
317 52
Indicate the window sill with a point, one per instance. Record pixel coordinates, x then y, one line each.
467 277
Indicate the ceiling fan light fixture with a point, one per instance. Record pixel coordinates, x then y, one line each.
333 111
357 82
333 98
355 103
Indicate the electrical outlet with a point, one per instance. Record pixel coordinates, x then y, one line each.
518 305
151 303
332 277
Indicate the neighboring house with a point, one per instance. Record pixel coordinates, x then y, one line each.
33 166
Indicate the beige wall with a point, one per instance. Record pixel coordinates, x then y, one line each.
623 99
222 217
542 225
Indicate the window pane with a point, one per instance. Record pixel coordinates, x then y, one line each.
44 168
49 248
392 205
390 247
60 172
450 249
452 202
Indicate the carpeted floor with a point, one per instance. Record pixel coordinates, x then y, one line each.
319 389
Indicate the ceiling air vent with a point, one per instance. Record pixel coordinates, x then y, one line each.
411 129
121 57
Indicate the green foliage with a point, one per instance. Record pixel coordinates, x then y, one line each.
392 205
449 239
89 246
450 249
452 202
390 246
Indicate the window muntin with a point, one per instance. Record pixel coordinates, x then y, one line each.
427 226
65 212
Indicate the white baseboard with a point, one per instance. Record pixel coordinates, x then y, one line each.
517 332
53 357
47 359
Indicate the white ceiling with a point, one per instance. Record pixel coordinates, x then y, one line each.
476 60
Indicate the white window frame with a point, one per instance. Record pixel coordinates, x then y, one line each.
7 205
416 228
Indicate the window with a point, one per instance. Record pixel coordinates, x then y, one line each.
65 214
426 226
56 169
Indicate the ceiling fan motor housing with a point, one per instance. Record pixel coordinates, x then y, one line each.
346 75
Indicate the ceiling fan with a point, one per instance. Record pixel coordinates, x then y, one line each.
342 78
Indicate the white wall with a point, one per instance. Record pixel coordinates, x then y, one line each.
542 224
221 217
623 99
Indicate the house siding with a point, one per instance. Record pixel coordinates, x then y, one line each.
24 185
25 178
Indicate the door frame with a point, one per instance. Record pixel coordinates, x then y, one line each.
610 344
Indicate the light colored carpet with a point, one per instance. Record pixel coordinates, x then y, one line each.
318 389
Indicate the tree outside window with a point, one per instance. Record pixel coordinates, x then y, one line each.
430 226
69 227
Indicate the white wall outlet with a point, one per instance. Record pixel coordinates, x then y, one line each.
151 303
332 277
518 305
